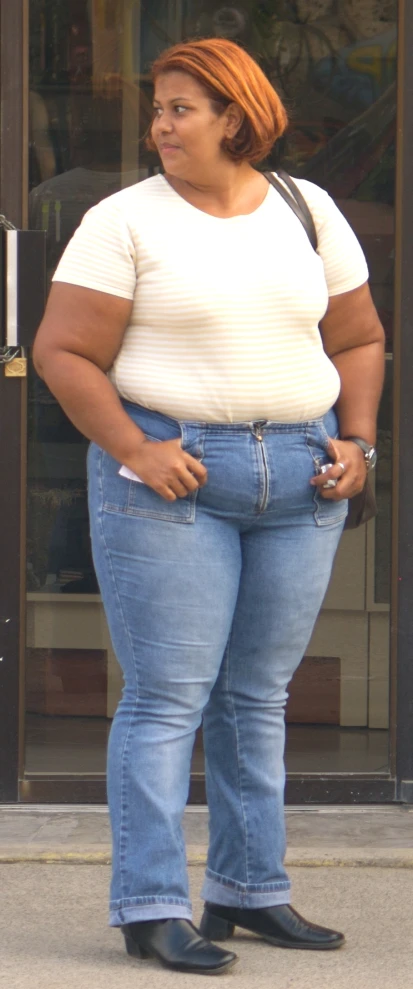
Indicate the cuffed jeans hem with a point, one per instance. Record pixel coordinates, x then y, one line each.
229 893
157 910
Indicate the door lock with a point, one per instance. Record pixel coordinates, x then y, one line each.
16 368
14 362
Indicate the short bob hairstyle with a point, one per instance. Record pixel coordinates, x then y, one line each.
229 75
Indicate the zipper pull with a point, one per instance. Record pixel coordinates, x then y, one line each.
257 431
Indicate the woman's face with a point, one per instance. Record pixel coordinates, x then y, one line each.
188 133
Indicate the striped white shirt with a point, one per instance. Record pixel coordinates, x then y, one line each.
226 311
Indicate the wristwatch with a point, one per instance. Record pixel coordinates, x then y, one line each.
370 452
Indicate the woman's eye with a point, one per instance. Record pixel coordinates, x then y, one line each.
157 110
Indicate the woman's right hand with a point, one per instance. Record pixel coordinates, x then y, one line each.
165 467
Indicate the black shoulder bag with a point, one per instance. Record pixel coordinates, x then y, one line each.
362 507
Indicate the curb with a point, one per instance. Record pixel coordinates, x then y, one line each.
381 858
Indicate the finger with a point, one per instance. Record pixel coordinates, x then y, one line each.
335 473
344 489
194 465
186 479
333 494
165 492
178 488
320 479
196 468
332 449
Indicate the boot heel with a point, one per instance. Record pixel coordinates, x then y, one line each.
135 949
215 928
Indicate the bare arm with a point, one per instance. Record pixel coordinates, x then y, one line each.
76 344
353 338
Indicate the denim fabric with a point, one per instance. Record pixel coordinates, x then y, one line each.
211 601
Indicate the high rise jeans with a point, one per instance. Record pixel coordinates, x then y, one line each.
211 601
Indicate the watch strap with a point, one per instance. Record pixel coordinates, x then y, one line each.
364 446
370 453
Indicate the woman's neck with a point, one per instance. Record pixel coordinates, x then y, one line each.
227 192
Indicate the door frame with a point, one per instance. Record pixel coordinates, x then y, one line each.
335 788
13 403
402 534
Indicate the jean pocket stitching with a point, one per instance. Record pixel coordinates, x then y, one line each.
129 506
126 505
313 444
146 513
181 510
326 519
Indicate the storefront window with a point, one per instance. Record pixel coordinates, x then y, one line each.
334 64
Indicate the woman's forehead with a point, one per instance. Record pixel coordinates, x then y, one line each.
178 85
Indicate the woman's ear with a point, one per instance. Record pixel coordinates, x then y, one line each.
234 120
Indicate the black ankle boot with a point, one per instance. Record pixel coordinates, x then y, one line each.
176 944
280 925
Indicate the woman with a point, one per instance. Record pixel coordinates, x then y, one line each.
217 363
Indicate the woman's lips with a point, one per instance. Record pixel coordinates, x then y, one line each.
167 148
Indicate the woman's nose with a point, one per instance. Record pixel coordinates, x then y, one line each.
164 124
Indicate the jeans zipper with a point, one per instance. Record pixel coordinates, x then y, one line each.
257 428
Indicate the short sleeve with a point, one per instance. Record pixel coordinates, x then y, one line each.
345 265
101 253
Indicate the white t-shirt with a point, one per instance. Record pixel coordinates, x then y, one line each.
224 325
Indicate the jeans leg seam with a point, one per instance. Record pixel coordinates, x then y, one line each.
237 746
127 736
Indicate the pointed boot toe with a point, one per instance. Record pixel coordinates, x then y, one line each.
177 945
279 925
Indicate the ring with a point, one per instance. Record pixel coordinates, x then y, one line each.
331 483
340 464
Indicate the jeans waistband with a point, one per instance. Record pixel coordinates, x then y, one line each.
231 427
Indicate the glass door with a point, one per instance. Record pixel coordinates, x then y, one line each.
89 108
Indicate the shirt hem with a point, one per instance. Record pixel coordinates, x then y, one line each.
348 287
96 287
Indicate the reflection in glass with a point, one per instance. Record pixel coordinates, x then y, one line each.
334 64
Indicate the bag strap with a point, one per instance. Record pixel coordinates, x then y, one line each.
295 201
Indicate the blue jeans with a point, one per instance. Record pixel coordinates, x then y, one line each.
211 601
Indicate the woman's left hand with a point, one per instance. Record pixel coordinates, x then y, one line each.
348 470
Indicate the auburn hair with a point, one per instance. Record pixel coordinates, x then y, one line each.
229 75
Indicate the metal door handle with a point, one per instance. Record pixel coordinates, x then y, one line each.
24 280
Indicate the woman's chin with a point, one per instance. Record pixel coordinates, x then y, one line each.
169 165
172 168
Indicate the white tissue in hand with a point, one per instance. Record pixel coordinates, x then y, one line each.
125 472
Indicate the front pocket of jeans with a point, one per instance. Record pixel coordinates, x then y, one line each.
317 444
327 512
122 496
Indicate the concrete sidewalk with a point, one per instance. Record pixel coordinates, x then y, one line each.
54 882
55 934
380 836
